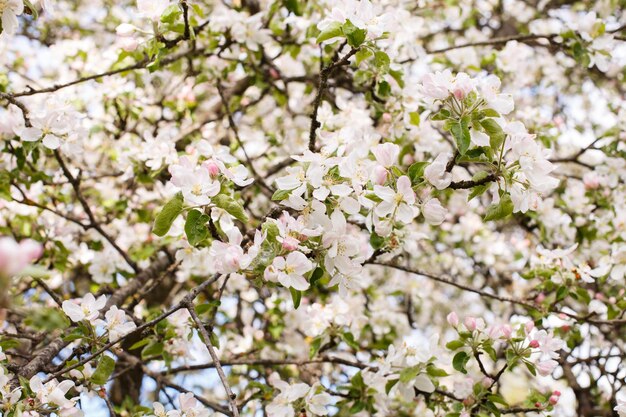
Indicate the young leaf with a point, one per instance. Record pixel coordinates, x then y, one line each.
332 31
461 133
459 361
280 195
501 210
416 171
353 34
195 227
231 206
168 214
296 296
495 132
105 368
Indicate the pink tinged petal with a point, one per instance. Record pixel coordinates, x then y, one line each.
404 188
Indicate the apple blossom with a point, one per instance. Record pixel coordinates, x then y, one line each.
290 270
88 308
223 199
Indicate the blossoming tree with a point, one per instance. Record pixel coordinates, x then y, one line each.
306 208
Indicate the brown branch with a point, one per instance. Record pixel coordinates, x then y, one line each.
75 182
325 74
220 371
463 185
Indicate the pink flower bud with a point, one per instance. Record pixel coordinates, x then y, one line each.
212 167
274 74
556 392
290 243
386 117
453 319
591 180
408 159
537 405
486 382
470 323
540 297
534 344
468 402
507 331
553 399
380 174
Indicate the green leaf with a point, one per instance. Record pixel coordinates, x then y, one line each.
501 210
168 214
443 114
390 384
139 344
414 118
349 339
296 296
171 13
416 171
231 206
495 132
362 55
478 190
332 31
455 344
315 346
407 374
105 368
317 274
383 89
353 34
280 195
381 61
294 6
531 368
490 113
215 341
153 349
460 132
195 227
459 361
436 372
376 241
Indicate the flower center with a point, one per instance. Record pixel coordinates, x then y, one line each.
196 189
